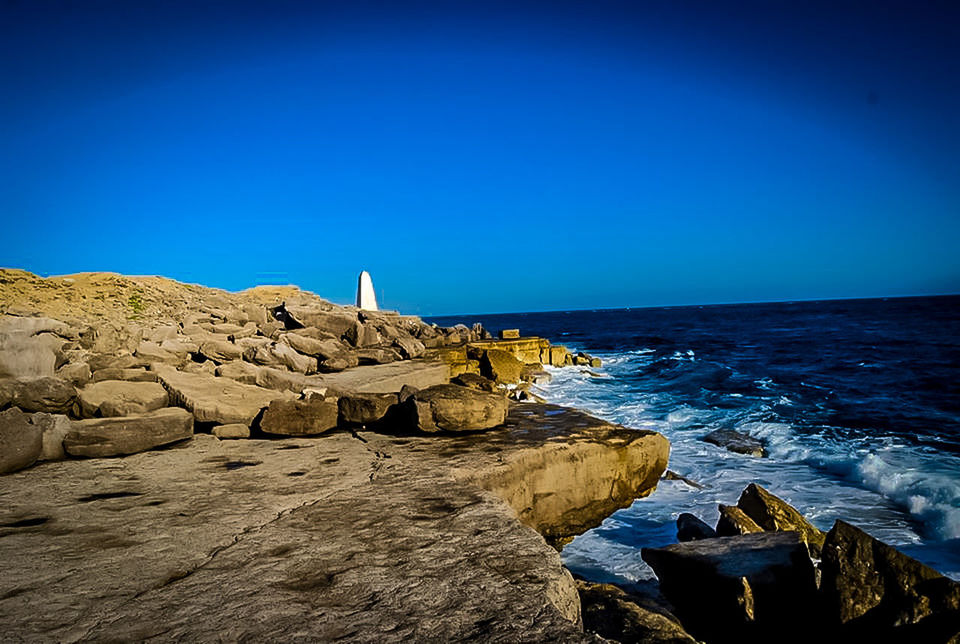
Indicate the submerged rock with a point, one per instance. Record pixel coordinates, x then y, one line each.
736 442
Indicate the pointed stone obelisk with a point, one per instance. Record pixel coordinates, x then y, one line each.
366 298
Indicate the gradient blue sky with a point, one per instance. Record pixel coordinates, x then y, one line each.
483 157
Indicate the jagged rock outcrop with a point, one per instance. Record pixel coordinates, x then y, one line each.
734 521
773 513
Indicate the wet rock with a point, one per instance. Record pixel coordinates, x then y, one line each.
747 587
692 528
100 437
881 594
616 615
453 408
500 366
734 521
44 393
475 381
315 415
109 398
21 441
217 400
670 475
365 409
736 442
773 513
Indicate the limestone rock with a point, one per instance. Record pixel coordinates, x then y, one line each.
292 360
331 321
500 366
242 372
23 356
226 432
881 594
692 528
151 352
773 513
311 346
130 375
455 409
220 351
55 428
76 373
315 415
339 363
736 442
362 335
217 400
99 437
109 398
377 356
746 587
45 393
734 521
616 615
365 409
475 381
509 334
409 348
21 441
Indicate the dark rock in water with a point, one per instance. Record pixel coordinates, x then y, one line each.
21 441
101 437
475 381
773 513
455 409
670 475
734 521
744 587
692 528
882 594
315 415
616 615
364 409
736 442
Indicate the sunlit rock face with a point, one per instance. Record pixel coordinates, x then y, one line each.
366 298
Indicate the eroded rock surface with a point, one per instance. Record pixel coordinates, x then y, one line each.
366 538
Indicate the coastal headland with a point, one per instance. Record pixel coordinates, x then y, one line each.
184 463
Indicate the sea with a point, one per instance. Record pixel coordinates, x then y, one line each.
857 403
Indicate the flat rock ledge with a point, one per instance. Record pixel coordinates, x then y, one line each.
346 536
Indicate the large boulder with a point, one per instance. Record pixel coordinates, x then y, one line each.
747 587
734 521
329 320
100 437
44 393
409 348
475 381
315 415
453 408
365 409
881 594
318 348
773 513
21 441
217 400
22 355
55 428
618 616
362 335
500 366
76 373
151 352
292 360
109 398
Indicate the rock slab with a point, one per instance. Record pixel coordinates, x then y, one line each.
217 400
99 437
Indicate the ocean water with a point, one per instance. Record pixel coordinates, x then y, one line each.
856 401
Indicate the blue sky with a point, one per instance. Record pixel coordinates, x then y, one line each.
486 157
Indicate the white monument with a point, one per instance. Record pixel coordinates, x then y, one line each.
366 298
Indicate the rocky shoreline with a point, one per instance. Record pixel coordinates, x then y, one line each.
185 463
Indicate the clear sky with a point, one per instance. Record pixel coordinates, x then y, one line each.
487 157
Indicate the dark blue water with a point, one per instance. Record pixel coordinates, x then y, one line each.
857 402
